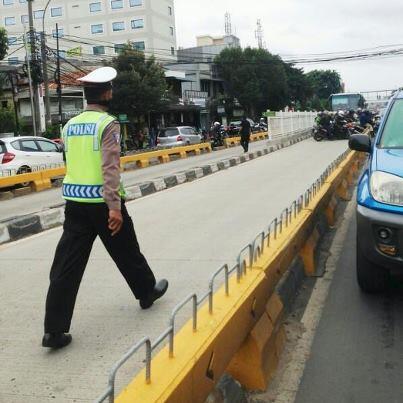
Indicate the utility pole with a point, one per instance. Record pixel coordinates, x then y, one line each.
35 88
59 82
44 56
31 95
48 115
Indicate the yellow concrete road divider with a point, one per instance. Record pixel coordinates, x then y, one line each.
39 180
234 141
239 330
164 155
42 179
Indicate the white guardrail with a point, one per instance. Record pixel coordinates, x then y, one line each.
289 123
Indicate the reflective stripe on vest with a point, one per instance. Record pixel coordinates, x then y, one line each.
83 191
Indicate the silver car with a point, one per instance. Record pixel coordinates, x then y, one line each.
178 136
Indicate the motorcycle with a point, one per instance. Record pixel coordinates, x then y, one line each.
217 137
339 130
320 133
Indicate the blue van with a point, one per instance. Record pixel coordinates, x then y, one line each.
380 201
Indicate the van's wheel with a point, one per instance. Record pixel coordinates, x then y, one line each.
24 170
370 277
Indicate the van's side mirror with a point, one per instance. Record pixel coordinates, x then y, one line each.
360 142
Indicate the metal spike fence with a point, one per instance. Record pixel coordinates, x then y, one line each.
246 257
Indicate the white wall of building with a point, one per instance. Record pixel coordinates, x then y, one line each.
155 24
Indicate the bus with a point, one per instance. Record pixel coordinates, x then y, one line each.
346 101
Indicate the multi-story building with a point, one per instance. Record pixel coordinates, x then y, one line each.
202 83
94 27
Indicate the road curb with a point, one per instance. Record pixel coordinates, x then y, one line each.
21 227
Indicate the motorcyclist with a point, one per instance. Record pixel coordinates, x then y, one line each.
365 118
351 116
216 134
366 121
339 124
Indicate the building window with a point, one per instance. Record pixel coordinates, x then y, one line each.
98 50
58 34
56 12
24 19
136 3
97 29
9 21
119 47
169 10
23 1
38 14
139 46
118 26
172 51
137 24
12 40
95 7
116 4
171 31
8 2
13 60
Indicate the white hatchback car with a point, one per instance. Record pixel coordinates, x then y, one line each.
26 154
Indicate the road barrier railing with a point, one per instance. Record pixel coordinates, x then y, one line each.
42 175
237 328
288 123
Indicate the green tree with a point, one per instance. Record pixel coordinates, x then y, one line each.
299 86
3 43
324 83
140 86
255 77
7 120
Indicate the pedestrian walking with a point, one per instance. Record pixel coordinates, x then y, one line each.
245 133
94 207
152 137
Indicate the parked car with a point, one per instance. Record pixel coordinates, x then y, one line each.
380 201
178 136
234 127
22 154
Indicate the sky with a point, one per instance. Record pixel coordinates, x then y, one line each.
297 27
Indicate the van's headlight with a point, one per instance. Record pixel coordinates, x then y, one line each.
387 188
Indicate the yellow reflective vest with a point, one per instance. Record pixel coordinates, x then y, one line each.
82 137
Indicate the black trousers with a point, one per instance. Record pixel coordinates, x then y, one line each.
245 138
83 223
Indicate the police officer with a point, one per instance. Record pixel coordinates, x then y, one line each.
94 207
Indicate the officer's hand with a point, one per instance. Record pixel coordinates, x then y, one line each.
115 221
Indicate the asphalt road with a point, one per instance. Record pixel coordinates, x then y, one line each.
35 202
186 233
357 352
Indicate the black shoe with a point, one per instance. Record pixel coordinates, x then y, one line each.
56 340
159 290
